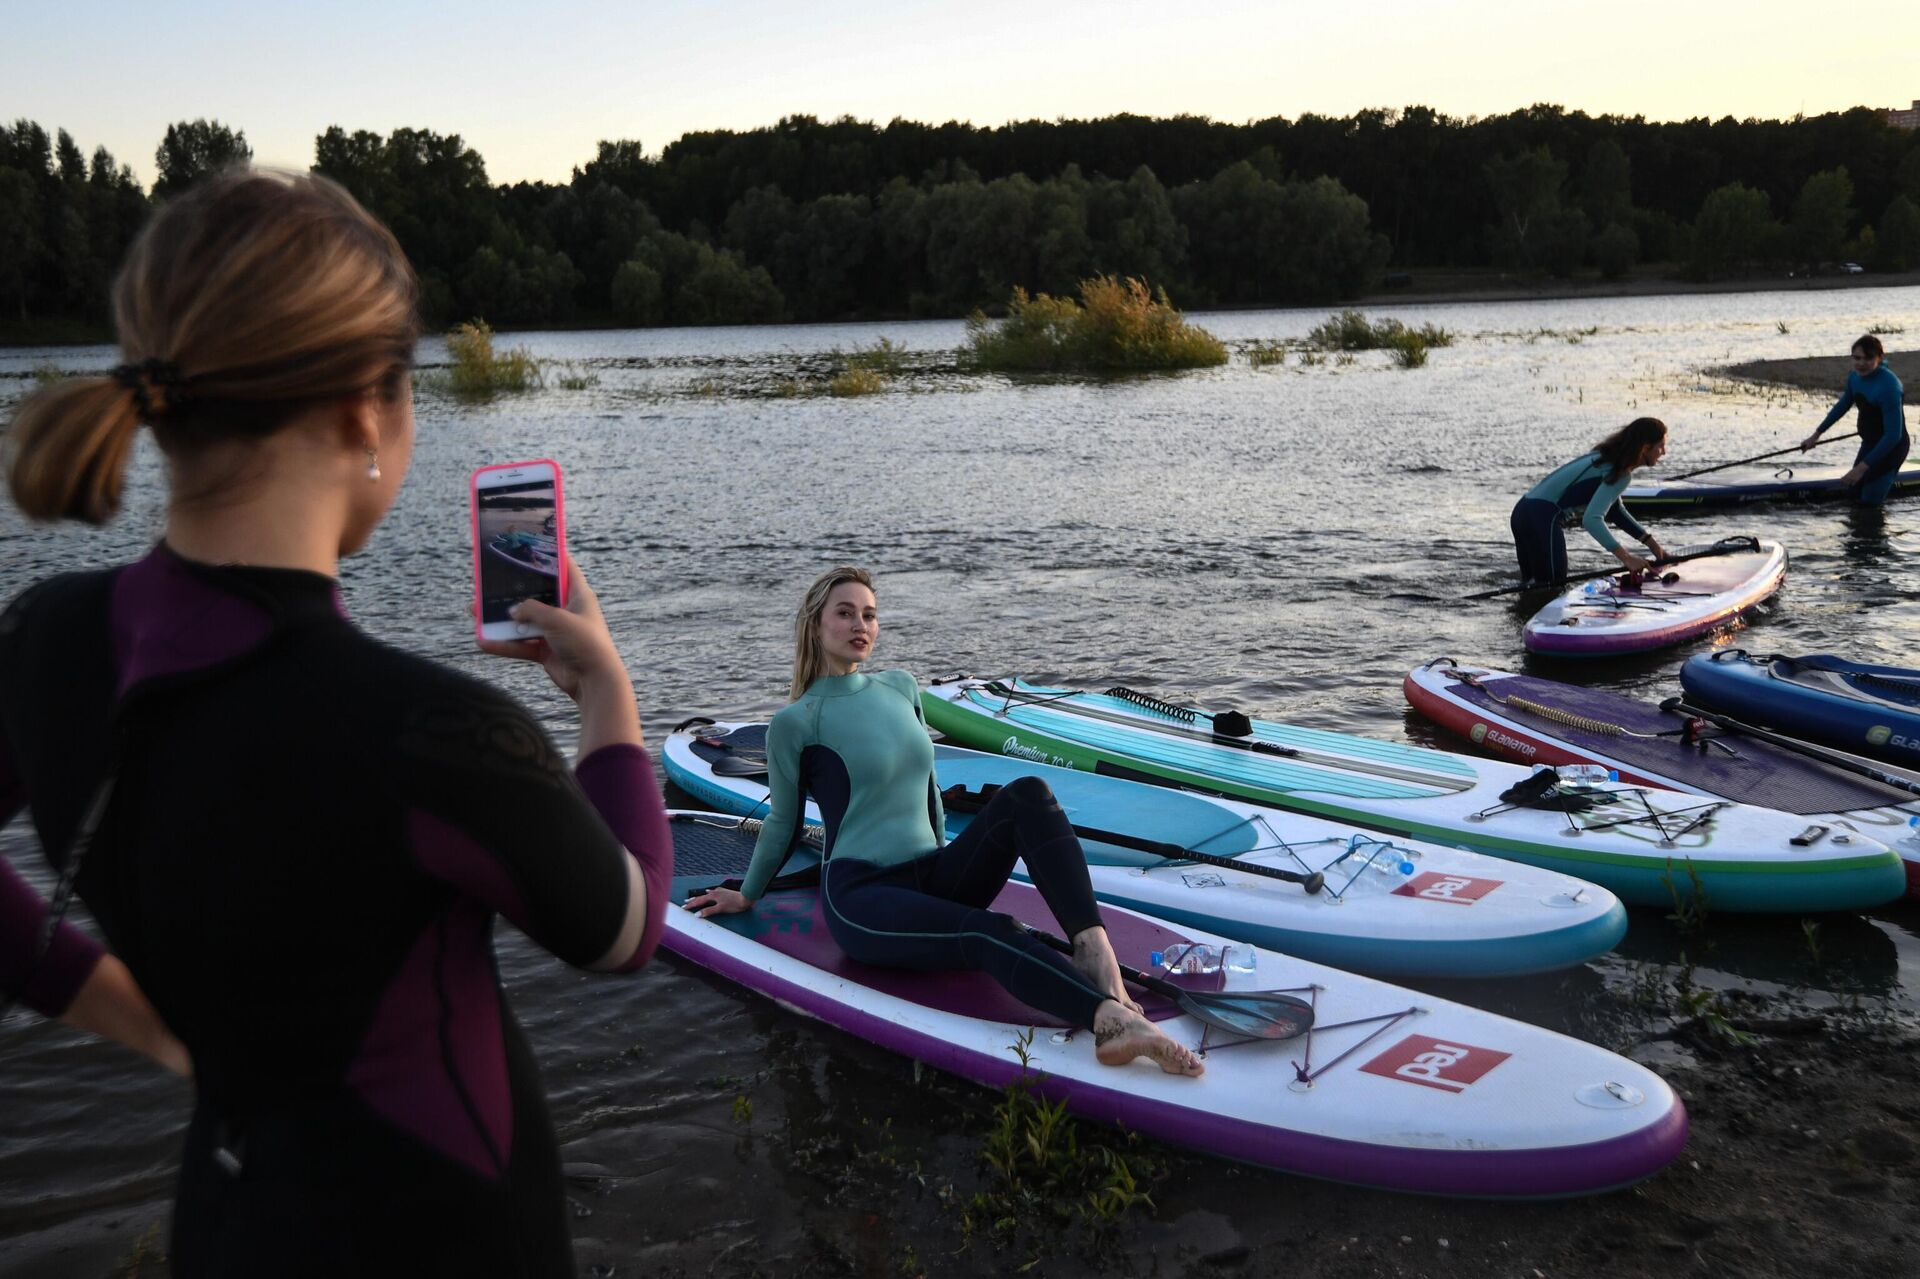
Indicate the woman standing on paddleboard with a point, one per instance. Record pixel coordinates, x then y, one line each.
1593 483
896 893
295 838
1883 424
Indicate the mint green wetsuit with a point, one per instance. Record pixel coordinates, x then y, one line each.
895 893
1536 521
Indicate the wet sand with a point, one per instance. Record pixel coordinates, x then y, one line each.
1827 373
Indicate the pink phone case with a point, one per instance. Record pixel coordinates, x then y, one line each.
559 529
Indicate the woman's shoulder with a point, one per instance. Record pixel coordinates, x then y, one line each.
901 682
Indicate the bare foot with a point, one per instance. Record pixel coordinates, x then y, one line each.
1094 958
1120 1035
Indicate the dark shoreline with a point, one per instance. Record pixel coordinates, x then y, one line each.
1447 286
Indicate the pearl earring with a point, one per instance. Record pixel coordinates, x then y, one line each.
373 465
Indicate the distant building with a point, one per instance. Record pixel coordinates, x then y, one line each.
1908 119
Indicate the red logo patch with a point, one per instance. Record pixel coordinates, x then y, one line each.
1462 890
1434 1063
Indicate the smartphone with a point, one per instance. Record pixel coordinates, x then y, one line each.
519 544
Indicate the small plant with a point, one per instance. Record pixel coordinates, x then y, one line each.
46 373
1309 359
1883 328
1040 1170
1810 933
146 1251
1262 352
742 1108
571 375
885 357
1353 331
1409 349
1118 325
480 370
1689 908
1781 326
857 381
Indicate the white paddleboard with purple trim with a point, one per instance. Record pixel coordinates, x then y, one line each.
1389 1089
1612 615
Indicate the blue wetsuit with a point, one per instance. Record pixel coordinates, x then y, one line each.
1883 429
896 894
1538 539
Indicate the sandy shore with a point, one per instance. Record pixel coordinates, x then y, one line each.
1826 373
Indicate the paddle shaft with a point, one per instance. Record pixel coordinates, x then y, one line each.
1708 470
959 799
1313 881
1811 751
1727 546
1251 746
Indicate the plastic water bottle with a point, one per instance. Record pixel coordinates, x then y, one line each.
1188 958
1392 865
1240 959
1912 839
1586 774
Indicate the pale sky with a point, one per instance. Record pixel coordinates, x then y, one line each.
533 87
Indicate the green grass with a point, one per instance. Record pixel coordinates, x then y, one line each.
1042 1175
1353 331
1116 326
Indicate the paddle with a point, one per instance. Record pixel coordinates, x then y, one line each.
1725 546
1256 1014
1847 763
958 799
1708 470
1015 696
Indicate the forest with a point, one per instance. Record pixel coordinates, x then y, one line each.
813 220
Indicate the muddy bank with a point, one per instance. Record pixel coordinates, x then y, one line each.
1826 373
1441 286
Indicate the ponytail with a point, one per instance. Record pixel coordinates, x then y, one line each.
67 449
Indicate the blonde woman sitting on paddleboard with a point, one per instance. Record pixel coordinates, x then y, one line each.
896 893
1592 483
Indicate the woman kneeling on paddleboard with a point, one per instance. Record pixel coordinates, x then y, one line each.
896 893
1883 423
294 837
1593 482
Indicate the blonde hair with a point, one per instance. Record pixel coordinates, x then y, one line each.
251 297
806 624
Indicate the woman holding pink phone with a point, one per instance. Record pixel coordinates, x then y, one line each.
295 838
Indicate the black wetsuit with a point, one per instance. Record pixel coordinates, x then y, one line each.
308 840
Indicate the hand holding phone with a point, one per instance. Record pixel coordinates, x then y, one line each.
519 546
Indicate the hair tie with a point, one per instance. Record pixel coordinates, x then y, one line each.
158 387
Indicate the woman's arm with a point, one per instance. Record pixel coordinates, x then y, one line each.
112 1005
579 864
1847 399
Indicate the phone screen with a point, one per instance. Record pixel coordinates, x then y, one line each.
517 526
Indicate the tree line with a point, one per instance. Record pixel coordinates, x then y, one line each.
810 219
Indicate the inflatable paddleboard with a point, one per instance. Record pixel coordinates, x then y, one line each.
1389 1089
1622 614
1868 710
1683 496
1393 907
1539 721
1647 846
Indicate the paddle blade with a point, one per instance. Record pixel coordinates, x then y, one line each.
1256 1014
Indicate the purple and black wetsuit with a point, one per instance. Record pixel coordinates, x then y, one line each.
308 840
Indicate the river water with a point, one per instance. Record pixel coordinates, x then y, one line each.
1286 539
